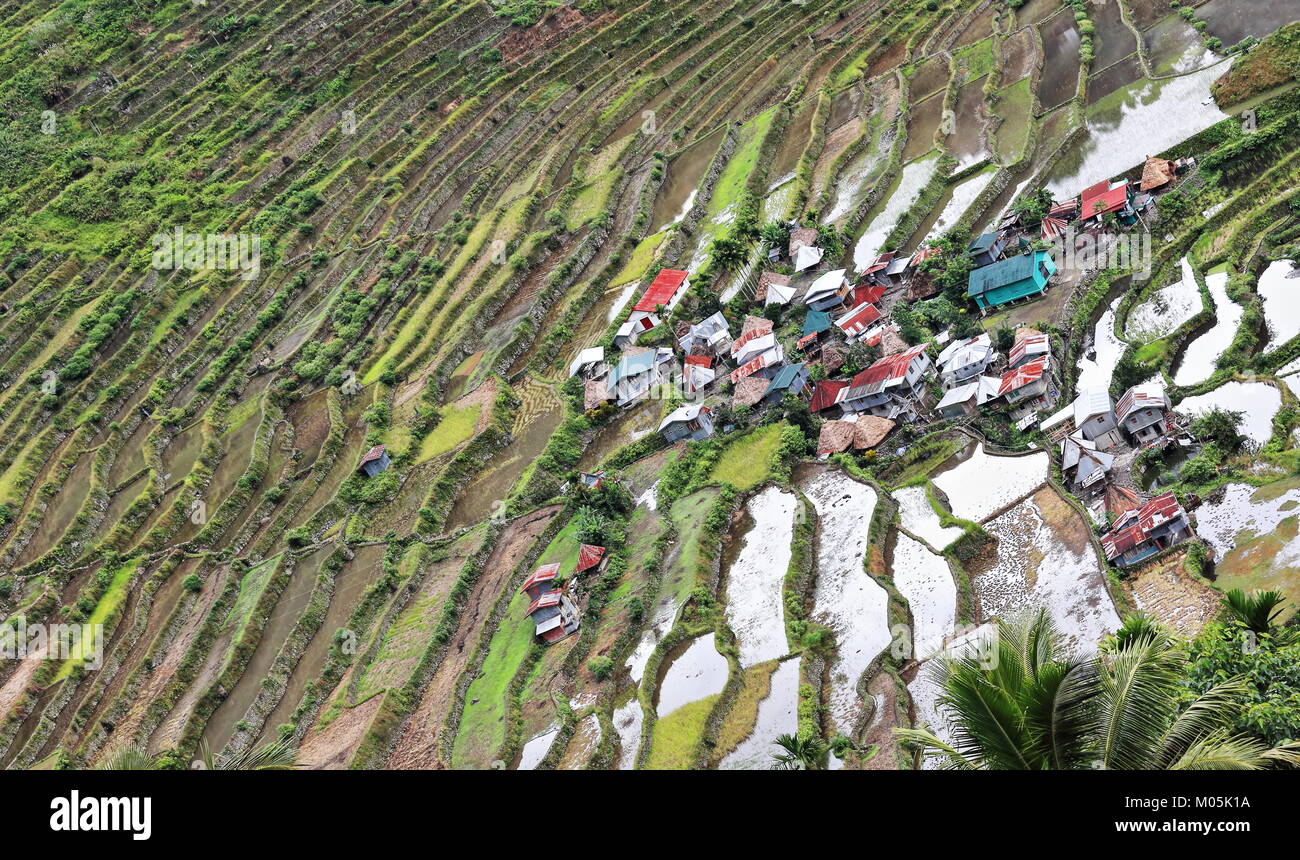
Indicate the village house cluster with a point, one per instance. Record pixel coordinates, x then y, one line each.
714 362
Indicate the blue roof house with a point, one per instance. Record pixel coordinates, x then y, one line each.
1010 279
986 248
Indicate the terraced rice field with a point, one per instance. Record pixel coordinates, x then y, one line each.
397 224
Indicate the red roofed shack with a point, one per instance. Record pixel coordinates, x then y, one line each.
1141 533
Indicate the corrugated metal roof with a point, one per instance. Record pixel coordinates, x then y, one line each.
1013 380
1003 272
827 394
588 557
661 289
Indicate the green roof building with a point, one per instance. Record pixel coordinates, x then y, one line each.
1010 279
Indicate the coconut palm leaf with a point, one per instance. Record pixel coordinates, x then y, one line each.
1257 610
1136 703
128 758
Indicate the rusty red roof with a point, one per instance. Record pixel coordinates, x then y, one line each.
701 360
1141 397
1022 376
1034 344
588 557
857 320
545 573
550 598
886 372
752 330
661 289
373 454
827 394
754 365
867 294
1135 525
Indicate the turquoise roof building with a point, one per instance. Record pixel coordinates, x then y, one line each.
1010 279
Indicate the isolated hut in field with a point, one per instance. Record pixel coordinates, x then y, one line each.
591 559
375 461
554 613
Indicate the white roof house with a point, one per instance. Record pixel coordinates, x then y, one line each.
962 360
807 257
711 331
589 356
779 295
689 412
754 348
824 287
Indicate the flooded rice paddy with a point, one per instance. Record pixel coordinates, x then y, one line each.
1198 362
1106 349
778 714
985 484
919 518
911 181
693 673
757 575
1279 287
846 599
1045 559
1258 401
924 579
1142 119
1162 312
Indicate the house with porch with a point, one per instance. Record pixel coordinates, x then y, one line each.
554 613
1028 388
892 387
1143 413
828 291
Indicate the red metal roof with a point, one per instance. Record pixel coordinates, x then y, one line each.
589 556
550 598
1139 397
1109 200
858 319
757 331
1052 227
806 340
1038 342
1159 510
753 366
1135 525
661 289
701 360
922 255
867 294
545 573
1022 376
826 394
888 369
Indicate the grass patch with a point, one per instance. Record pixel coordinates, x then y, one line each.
734 176
456 426
675 736
482 726
743 716
747 462
978 58
642 255
108 603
